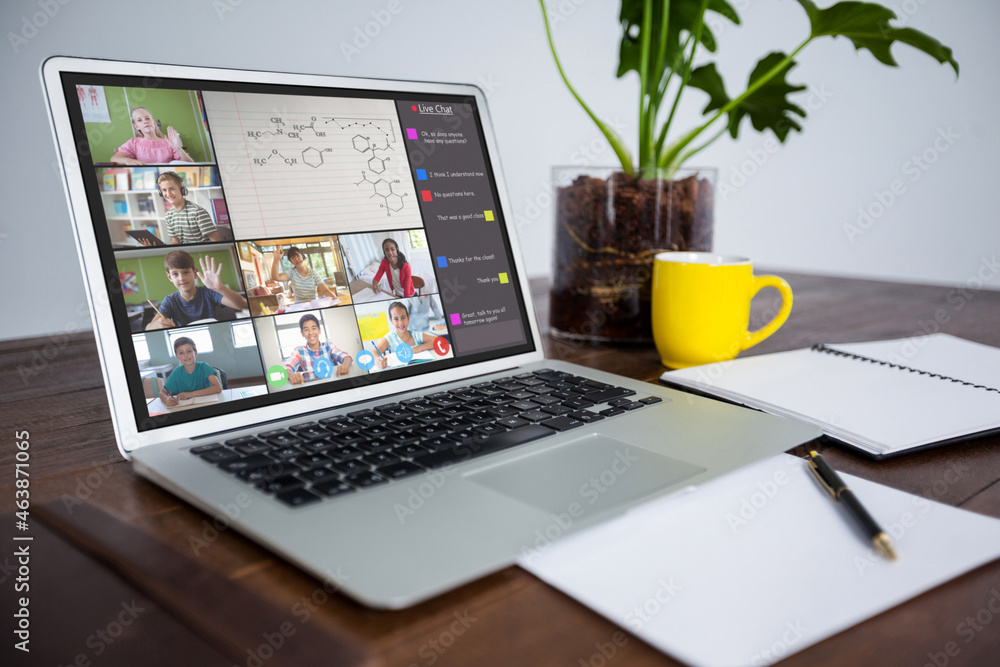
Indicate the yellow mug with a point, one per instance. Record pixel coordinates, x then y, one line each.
701 307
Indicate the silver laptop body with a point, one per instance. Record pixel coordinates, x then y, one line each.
383 144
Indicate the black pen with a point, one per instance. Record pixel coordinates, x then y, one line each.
831 482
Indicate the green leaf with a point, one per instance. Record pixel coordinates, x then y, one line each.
866 24
684 15
768 107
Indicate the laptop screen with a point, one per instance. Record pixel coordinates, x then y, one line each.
264 243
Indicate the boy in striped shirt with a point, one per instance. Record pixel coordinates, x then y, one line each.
186 222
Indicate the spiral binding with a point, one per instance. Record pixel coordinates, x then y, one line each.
840 353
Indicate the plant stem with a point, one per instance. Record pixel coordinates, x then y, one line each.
684 79
644 96
609 134
684 158
668 159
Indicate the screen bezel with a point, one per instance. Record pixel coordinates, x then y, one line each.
106 335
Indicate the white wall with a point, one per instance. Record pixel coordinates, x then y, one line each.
868 122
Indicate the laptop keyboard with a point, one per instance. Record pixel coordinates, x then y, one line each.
308 462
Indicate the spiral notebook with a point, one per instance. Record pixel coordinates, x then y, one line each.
882 398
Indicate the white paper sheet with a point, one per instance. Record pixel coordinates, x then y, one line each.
760 564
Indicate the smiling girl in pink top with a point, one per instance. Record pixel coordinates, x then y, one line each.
149 146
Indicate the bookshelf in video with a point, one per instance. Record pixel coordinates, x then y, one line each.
275 246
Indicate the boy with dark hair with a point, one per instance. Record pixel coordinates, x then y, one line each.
192 378
305 360
191 302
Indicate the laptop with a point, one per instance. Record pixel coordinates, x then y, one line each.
336 352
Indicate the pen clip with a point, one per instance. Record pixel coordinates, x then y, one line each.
825 484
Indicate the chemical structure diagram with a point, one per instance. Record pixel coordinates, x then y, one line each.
370 139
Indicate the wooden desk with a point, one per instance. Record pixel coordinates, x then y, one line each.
53 388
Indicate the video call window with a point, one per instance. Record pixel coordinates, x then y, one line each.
387 265
165 287
198 367
140 126
304 348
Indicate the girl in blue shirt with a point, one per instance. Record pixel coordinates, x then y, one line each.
400 333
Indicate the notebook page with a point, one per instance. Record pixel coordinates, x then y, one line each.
300 166
938 353
765 554
889 408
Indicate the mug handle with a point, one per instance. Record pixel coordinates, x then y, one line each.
759 283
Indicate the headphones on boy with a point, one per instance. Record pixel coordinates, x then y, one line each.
184 190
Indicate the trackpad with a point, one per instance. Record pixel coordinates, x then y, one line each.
596 472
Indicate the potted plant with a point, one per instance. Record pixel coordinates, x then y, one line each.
611 222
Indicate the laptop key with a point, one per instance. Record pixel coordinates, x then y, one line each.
398 470
409 450
611 412
373 446
247 463
235 442
545 399
350 466
201 449
219 455
401 439
615 402
286 453
502 411
346 439
284 440
381 459
520 395
512 422
280 484
563 423
345 453
490 429
366 478
439 442
312 461
312 433
332 487
301 427
557 410
634 405
586 416
577 403
605 395
271 434
338 425
319 475
297 497
650 400
535 416
255 447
